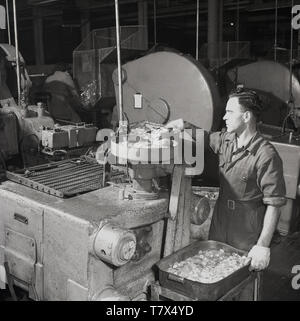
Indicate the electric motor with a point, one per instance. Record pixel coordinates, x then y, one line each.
113 244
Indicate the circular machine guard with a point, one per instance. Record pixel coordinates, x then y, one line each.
268 76
187 88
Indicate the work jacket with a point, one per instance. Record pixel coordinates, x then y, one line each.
250 179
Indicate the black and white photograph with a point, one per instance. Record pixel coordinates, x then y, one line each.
149 154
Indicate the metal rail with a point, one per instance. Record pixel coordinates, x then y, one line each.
17 52
65 179
119 61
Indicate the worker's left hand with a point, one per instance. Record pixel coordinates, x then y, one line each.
178 124
260 257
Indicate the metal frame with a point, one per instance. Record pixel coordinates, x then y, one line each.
157 291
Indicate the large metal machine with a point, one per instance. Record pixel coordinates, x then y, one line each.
80 230
28 132
101 243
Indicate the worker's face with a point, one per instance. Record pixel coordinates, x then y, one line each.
234 116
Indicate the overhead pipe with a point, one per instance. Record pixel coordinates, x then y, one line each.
238 20
276 30
221 14
17 52
213 30
8 23
197 30
291 98
119 62
154 21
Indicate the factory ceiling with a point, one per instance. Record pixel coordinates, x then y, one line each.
164 8
174 20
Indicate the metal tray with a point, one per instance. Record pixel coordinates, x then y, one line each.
198 290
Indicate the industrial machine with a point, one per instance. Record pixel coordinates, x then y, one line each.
29 135
73 230
80 230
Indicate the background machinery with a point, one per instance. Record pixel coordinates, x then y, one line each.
101 239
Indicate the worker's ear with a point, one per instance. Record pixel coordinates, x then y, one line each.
247 116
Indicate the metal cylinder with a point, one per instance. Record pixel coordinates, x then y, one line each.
200 209
8 23
113 244
17 52
120 94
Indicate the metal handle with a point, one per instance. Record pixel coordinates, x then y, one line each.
21 218
176 278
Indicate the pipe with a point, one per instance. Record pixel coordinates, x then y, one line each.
213 30
154 21
276 28
8 23
197 30
221 13
119 61
238 20
17 52
291 98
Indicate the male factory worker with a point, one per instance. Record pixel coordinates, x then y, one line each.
65 102
252 187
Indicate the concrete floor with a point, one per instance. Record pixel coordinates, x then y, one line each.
277 279
285 254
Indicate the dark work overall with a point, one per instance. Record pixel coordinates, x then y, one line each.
245 180
250 178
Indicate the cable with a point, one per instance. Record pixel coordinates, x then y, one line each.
276 28
291 99
197 31
154 22
238 20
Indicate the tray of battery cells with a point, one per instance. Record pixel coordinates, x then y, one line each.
204 270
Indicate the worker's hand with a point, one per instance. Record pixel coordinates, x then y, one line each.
177 124
260 257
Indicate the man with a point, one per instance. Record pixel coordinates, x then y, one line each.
65 102
252 187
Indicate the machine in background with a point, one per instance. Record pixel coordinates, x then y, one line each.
103 243
29 135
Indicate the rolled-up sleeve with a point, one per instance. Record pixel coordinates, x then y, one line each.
270 177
